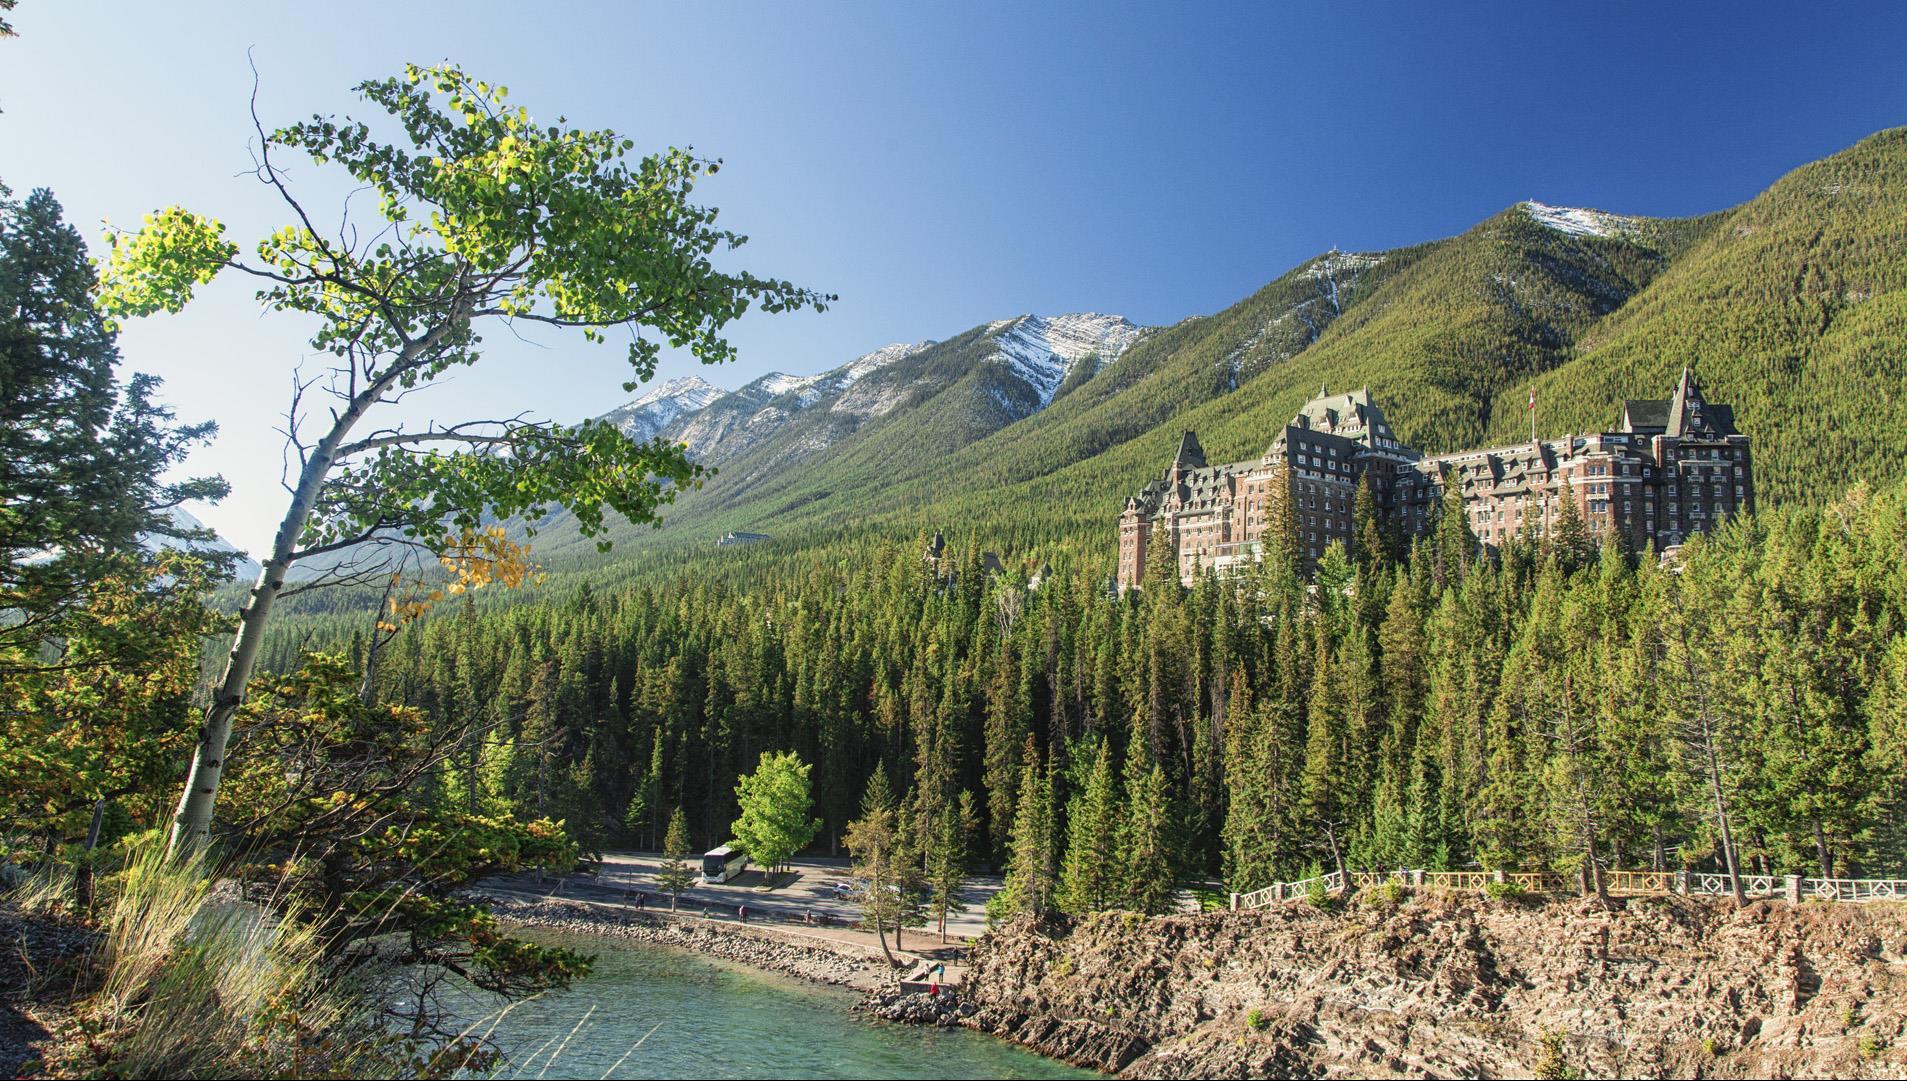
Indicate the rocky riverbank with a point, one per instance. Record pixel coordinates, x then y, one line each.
945 1010
1439 985
757 947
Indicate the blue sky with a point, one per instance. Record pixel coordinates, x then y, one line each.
940 166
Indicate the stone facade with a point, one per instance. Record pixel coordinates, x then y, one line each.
1673 467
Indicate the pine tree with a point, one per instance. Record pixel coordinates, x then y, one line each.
872 840
947 863
1569 540
1032 879
910 872
1146 858
1710 739
1370 534
1090 877
1323 806
1453 543
677 873
82 456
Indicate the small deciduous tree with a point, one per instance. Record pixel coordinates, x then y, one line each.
483 217
777 808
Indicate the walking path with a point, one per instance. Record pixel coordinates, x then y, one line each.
801 906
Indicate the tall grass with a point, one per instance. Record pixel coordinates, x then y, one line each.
47 889
187 980
193 985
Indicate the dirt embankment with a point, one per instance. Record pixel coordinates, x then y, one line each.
1461 986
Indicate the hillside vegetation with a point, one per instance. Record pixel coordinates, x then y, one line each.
1791 306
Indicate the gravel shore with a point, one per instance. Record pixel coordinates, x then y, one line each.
756 947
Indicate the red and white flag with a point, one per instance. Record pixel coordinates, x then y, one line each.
1532 398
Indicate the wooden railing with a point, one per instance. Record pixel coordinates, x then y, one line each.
1630 883
1639 881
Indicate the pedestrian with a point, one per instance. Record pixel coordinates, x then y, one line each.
741 913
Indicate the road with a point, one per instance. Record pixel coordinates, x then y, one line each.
797 892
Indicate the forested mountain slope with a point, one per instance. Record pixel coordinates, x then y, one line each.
1438 330
1793 307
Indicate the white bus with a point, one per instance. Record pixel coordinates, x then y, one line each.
721 864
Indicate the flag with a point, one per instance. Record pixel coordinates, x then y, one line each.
1532 398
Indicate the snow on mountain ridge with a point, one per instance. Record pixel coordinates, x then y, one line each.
716 424
1578 221
868 363
661 406
1042 350
1337 262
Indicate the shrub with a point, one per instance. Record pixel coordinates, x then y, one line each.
1505 891
1551 1064
1256 1020
1391 893
999 908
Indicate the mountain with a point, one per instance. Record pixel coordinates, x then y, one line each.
1793 307
1031 431
648 415
1033 358
894 403
730 425
1044 353
244 567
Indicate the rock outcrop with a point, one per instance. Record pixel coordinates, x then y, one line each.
1438 985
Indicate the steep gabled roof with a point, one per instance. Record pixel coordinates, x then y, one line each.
1691 417
1191 455
1646 416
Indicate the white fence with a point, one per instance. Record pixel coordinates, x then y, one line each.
1632 883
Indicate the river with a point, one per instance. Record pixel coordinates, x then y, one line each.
655 1012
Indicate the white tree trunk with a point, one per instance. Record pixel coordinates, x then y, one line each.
192 821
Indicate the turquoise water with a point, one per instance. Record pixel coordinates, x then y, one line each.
702 1018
